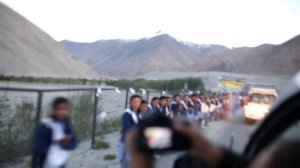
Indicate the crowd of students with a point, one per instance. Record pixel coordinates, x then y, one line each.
199 108
55 138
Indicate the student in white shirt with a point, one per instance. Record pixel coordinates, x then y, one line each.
206 111
130 118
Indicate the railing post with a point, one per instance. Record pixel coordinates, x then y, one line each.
39 107
126 101
38 116
94 119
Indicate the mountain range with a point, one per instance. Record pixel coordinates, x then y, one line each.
163 53
265 59
26 50
128 58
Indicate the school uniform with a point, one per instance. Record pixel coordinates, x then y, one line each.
148 113
130 119
205 110
202 109
197 111
45 145
218 109
163 110
236 106
168 112
184 110
174 108
190 112
151 108
212 110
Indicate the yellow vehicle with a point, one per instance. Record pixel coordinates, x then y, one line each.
259 103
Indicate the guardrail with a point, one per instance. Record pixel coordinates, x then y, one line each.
40 93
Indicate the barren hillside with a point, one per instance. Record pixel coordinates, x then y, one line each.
26 50
265 59
129 58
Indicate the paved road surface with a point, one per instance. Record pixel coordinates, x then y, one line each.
219 132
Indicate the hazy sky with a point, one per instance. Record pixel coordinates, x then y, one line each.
227 22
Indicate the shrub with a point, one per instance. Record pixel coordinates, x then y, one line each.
81 114
174 84
101 144
109 157
16 127
108 126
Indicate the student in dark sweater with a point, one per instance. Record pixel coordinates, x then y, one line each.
175 105
142 112
168 107
55 132
162 108
153 106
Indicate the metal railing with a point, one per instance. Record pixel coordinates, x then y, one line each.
40 93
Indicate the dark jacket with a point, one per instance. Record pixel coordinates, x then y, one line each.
197 107
150 111
127 123
43 139
174 108
162 110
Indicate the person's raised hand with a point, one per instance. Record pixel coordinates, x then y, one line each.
65 141
201 147
139 160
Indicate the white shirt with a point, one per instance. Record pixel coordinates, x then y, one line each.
133 115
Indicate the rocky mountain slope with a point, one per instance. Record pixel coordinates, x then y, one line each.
130 58
265 59
26 50
163 53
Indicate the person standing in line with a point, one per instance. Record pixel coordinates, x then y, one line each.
236 102
153 106
169 112
190 112
226 107
130 118
205 109
143 110
175 104
222 105
212 108
197 109
54 138
241 99
218 108
162 108
201 103
185 102
181 110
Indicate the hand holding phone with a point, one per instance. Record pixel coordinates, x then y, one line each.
65 141
158 137
157 133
